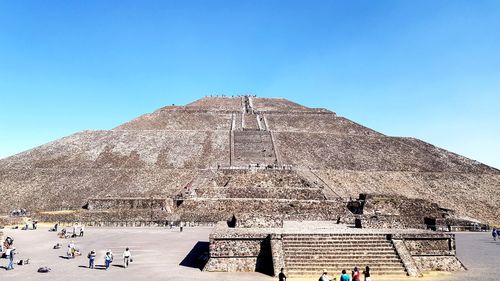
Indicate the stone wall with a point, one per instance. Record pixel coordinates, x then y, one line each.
423 246
429 251
438 263
223 209
129 203
250 252
396 211
387 221
261 192
261 178
259 221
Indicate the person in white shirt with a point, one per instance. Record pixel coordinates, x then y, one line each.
127 256
325 276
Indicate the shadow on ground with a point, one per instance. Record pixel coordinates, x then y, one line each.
197 257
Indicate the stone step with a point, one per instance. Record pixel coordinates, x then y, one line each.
346 240
337 246
337 271
337 252
326 244
349 237
341 235
293 264
374 268
349 258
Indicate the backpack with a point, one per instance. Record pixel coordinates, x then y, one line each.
43 269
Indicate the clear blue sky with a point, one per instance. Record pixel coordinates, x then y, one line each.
427 69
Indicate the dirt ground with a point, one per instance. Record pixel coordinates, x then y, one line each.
167 254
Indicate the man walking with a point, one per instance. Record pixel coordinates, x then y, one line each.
126 257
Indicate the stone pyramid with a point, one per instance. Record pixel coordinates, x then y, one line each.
223 156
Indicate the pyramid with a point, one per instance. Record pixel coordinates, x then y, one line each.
224 156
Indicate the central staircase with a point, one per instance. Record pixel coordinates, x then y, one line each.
309 254
253 147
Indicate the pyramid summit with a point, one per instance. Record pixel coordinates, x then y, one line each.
245 156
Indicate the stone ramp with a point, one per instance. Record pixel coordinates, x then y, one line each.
307 255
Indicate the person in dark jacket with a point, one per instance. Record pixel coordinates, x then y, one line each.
282 276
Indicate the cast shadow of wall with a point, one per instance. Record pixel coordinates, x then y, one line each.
197 257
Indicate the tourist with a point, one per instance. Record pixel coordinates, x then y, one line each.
356 276
81 231
54 228
127 256
324 276
345 276
282 276
9 253
494 234
366 273
91 257
181 226
498 232
74 231
71 250
108 259
8 242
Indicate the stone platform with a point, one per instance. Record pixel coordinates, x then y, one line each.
304 249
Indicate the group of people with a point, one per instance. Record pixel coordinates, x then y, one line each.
108 258
495 233
73 251
78 231
354 276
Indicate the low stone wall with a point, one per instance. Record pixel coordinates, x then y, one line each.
277 253
129 203
7 220
261 192
223 209
258 221
428 251
387 221
261 249
249 252
438 263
